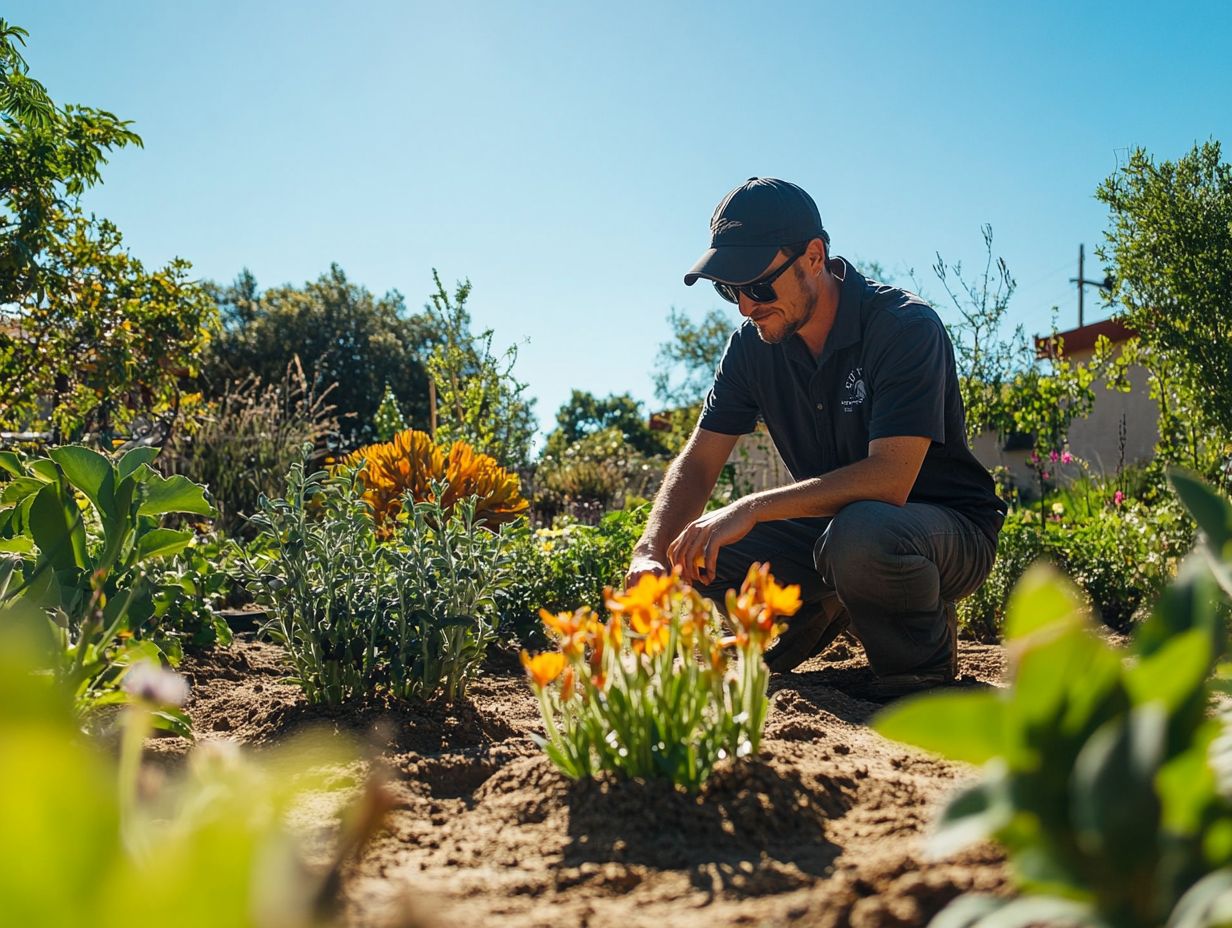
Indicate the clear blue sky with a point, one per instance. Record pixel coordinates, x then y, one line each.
566 157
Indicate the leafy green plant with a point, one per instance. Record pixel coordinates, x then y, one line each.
650 693
89 841
408 615
564 567
1097 773
87 535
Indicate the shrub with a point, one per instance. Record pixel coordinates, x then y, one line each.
592 475
650 693
567 566
1120 551
1098 774
242 443
406 614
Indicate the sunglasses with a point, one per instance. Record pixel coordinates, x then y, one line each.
760 290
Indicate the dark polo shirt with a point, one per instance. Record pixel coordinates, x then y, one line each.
887 369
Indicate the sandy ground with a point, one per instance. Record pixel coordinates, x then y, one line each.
823 829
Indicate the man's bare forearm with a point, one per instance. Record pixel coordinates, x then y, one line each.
680 500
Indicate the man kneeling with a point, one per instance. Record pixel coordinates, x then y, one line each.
891 519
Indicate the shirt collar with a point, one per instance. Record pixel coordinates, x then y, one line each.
847 329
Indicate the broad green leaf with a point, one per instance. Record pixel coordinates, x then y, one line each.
961 726
1187 783
1192 601
18 489
175 721
1042 599
173 494
10 462
134 459
1114 806
44 468
160 542
973 814
21 544
57 529
1213 513
1173 673
978 911
90 473
1205 904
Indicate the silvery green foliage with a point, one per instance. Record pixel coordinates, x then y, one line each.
407 618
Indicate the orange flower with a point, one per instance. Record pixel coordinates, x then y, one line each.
655 629
411 461
574 629
566 684
543 668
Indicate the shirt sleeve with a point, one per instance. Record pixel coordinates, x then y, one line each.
908 383
730 407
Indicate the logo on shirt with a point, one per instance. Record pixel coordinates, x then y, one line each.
856 391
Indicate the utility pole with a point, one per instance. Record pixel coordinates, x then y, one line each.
1081 281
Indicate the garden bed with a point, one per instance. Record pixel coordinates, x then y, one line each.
823 829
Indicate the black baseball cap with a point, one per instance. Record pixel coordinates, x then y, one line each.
750 225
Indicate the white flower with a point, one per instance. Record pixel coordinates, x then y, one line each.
150 683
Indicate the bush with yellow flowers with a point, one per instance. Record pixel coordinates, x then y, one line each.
412 463
657 690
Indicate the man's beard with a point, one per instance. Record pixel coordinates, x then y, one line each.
790 328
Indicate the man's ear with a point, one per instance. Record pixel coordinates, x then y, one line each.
816 254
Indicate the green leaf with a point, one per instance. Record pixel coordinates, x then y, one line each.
1043 599
57 529
90 473
11 462
173 494
19 488
961 726
134 459
974 814
1173 673
45 469
1213 513
160 542
173 720
21 544
1207 903
1114 806
1192 601
979 911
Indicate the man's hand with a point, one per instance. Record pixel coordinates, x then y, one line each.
643 564
696 550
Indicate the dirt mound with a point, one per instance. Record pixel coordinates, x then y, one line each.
822 828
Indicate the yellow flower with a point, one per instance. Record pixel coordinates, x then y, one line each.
574 629
543 668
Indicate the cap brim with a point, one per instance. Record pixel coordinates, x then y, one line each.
734 264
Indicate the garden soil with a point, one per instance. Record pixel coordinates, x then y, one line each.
825 828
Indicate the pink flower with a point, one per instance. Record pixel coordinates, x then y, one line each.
1043 475
1067 458
1053 456
1118 497
1034 458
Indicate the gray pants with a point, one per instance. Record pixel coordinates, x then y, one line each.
892 568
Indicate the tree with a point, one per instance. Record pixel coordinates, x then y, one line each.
49 154
88 338
478 399
685 364
987 360
1169 242
585 414
341 334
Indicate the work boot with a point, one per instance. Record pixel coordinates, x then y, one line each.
897 685
806 636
